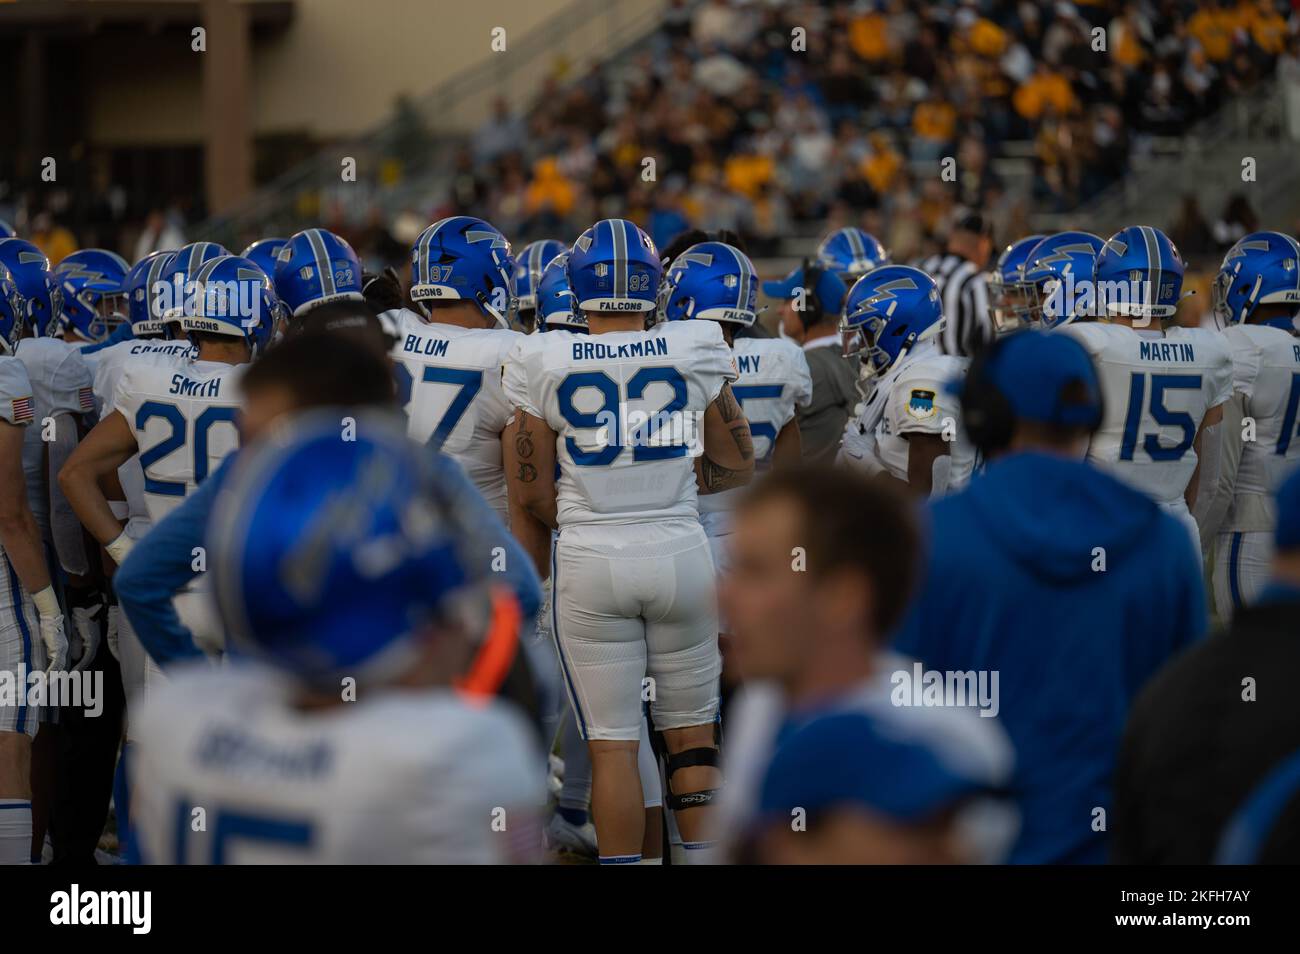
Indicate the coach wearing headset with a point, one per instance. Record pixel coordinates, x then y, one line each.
1060 586
810 315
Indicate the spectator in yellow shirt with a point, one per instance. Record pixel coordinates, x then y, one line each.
1046 89
1213 26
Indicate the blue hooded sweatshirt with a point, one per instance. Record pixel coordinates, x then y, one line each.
1074 588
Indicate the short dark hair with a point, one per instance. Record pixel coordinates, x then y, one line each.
851 522
325 369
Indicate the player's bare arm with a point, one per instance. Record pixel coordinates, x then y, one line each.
728 458
530 467
788 451
531 532
19 534
1212 417
922 451
107 447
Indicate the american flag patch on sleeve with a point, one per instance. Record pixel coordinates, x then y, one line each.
23 410
86 396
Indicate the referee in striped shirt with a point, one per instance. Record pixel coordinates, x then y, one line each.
959 272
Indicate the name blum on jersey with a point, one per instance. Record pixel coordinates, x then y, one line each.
73 907
22 688
435 347
188 387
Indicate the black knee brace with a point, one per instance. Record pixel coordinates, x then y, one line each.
688 759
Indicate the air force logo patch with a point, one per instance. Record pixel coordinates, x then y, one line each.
921 404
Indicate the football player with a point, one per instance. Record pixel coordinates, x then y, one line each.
338 563
555 309
1008 294
1056 278
529 267
1163 387
713 281
31 619
315 268
264 253
1256 300
175 411
634 418
909 425
850 253
448 362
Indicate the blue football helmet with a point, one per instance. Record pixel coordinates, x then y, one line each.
146 320
532 260
614 266
175 283
462 258
1261 269
231 296
11 326
1138 274
316 267
331 557
850 253
887 312
1008 298
555 300
263 254
40 297
1058 278
94 300
711 281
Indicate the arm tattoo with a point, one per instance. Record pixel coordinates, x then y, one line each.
524 450
728 406
716 478
744 440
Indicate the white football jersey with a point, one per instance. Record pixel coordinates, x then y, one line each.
1156 388
1266 369
106 367
398 777
183 414
456 402
60 384
913 398
627 408
773 382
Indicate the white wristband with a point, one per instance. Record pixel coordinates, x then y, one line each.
119 548
47 603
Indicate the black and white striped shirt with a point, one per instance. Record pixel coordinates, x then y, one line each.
963 290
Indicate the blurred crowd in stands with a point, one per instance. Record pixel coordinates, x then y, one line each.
730 117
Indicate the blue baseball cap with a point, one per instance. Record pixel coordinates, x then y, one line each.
1286 536
830 289
899 778
1034 368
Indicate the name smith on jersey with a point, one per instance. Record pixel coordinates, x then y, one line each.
188 387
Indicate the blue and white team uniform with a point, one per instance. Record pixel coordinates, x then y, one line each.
713 281
1157 384
396 777
892 316
451 377
632 574
1261 269
403 774
21 649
